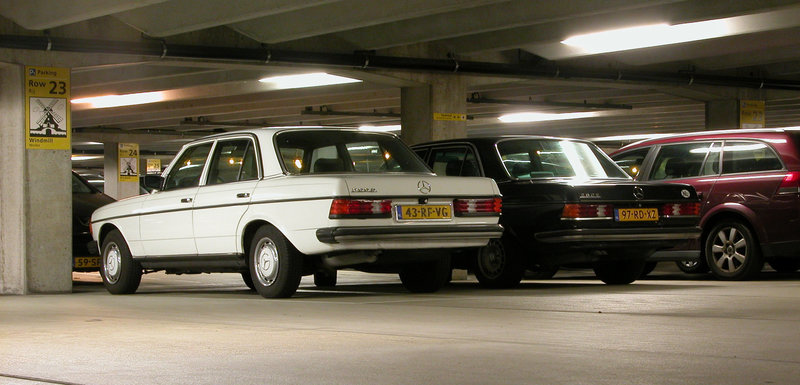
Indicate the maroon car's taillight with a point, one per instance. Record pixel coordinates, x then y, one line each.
477 207
680 209
360 208
586 211
790 183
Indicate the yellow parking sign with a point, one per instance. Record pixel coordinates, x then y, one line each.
128 155
47 110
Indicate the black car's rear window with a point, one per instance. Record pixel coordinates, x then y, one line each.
552 158
334 151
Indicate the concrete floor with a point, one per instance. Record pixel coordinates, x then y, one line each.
209 329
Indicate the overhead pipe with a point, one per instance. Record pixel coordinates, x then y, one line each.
265 54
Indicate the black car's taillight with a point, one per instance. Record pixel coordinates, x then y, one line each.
586 211
360 208
477 207
680 209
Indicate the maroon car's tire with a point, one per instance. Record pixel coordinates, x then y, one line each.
619 272
325 279
121 274
732 252
785 265
426 277
498 265
275 265
693 267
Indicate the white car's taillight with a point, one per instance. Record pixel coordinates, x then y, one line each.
477 207
360 208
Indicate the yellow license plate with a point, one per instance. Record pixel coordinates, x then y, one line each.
636 215
86 262
422 212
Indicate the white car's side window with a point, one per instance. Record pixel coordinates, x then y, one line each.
187 171
233 160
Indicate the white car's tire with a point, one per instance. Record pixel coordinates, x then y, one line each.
275 265
121 274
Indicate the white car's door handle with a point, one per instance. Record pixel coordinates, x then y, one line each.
243 195
186 200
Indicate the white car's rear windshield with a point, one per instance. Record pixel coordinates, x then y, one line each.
330 151
547 158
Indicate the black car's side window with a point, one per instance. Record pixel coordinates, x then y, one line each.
675 161
748 156
233 160
188 168
454 161
631 161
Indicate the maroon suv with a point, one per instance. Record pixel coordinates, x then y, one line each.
749 185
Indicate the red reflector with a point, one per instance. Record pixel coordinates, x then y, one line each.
679 209
340 207
477 206
792 179
579 210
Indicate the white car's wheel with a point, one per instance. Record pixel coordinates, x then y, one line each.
120 273
275 265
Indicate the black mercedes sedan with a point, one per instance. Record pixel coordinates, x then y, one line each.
85 199
566 203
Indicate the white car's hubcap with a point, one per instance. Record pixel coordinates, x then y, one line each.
266 262
112 263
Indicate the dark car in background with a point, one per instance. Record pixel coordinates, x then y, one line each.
566 203
749 184
85 199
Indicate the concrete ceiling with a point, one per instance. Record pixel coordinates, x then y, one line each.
208 95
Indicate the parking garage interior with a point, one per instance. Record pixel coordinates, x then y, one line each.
426 70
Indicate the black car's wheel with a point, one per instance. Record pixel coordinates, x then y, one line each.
785 265
731 251
325 279
426 277
619 272
693 266
121 274
248 280
498 266
648 268
275 265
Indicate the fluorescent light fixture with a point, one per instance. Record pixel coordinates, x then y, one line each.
648 36
76 157
392 128
624 138
121 100
526 117
316 79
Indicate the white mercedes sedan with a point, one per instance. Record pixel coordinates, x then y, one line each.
279 203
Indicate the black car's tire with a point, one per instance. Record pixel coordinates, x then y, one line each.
619 272
648 268
426 277
325 279
693 267
732 251
785 265
275 265
248 280
120 272
540 272
498 266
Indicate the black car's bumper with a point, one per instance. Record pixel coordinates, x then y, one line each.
619 235
343 234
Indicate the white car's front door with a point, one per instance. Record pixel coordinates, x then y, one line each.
223 200
166 217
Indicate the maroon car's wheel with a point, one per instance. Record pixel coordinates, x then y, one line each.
732 251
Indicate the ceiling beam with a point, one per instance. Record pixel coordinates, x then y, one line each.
44 14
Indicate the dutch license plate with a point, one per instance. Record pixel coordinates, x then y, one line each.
422 212
86 262
636 215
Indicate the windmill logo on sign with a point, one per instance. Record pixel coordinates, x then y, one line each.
48 116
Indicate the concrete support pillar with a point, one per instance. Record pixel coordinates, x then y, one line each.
113 187
722 114
36 203
443 94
